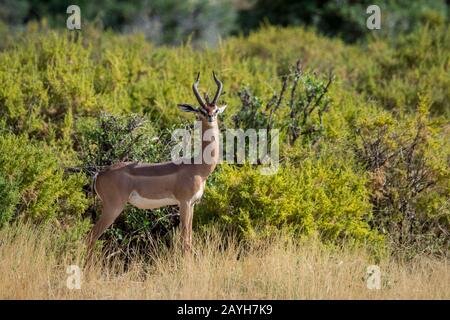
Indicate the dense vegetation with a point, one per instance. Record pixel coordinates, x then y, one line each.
367 163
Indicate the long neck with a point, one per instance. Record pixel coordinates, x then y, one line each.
209 156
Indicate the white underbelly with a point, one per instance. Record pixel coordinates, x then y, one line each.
144 203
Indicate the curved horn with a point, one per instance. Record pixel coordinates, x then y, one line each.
197 95
219 89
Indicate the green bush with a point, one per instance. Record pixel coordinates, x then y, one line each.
418 62
408 164
297 110
321 196
33 184
9 198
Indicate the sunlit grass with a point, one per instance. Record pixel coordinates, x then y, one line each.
33 266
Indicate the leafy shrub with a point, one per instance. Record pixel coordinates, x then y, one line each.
297 109
34 186
60 76
409 170
318 196
390 73
9 198
109 139
418 62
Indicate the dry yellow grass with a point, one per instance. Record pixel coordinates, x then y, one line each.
30 268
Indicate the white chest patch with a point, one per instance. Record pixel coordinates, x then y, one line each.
144 203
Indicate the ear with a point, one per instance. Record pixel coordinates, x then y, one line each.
221 109
187 107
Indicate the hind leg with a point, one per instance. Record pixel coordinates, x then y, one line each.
109 215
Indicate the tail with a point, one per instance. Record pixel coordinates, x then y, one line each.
93 193
93 188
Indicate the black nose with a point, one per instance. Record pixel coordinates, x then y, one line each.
210 118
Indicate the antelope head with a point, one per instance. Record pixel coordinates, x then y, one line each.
208 110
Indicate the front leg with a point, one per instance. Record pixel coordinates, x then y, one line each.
186 211
190 223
